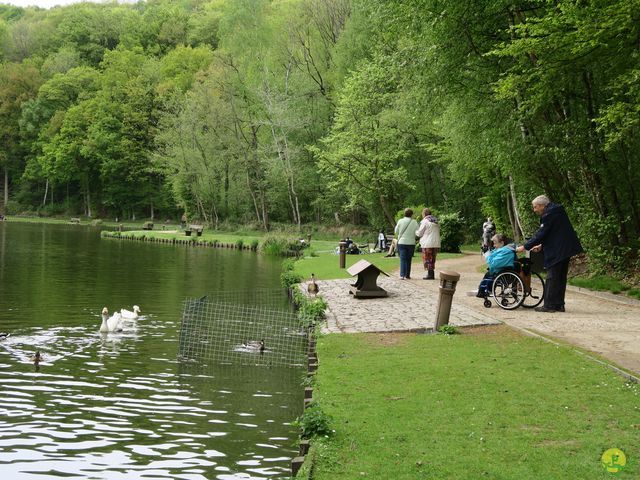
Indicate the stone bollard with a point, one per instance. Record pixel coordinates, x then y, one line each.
448 281
343 254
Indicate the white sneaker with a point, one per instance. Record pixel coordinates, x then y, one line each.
472 293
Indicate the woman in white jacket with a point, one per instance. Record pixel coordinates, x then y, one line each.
429 233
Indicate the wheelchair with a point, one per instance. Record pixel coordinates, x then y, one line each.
515 287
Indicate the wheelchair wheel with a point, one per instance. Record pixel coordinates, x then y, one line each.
534 297
487 303
508 290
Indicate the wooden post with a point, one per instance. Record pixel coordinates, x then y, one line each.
296 464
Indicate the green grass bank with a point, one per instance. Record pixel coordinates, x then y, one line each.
489 403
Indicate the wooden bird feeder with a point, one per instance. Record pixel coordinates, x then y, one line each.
366 286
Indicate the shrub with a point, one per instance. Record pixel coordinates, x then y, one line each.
12 208
314 422
275 245
50 210
448 330
239 244
288 264
281 246
312 310
288 279
451 231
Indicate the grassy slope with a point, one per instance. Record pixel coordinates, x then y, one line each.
495 405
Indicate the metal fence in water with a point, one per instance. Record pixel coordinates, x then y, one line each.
259 327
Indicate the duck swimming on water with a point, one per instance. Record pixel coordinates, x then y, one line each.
254 346
110 324
129 315
4 335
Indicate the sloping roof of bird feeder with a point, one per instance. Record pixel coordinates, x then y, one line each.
362 265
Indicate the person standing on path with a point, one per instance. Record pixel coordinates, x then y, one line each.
429 233
488 231
559 242
406 232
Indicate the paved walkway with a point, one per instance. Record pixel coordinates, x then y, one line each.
409 307
604 324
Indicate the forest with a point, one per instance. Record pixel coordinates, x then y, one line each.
299 112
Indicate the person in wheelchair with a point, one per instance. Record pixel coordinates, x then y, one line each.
501 258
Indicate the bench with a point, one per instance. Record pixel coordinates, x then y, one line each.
194 228
147 226
74 220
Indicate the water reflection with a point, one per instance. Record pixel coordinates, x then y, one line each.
120 405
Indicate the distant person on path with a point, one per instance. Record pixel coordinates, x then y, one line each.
559 242
406 232
488 231
392 248
429 233
382 241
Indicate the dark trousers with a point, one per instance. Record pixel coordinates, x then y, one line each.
406 255
556 284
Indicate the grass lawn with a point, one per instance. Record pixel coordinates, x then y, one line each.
325 264
489 403
605 283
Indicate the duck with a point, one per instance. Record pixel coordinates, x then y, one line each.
254 346
129 315
4 335
110 324
312 286
36 358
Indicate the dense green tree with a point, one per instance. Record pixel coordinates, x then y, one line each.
18 84
314 110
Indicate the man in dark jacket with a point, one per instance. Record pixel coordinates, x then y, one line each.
559 242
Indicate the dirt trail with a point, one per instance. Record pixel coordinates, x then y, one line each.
601 325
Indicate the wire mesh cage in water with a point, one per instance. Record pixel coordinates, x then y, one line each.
259 327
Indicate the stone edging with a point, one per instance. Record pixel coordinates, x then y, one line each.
189 241
312 367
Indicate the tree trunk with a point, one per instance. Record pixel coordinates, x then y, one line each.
46 191
517 232
391 221
87 197
6 186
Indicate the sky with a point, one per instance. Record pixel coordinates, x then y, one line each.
45 3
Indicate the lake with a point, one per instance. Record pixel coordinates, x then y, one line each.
121 405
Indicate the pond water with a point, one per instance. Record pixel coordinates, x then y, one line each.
121 406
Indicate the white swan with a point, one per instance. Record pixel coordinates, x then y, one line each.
110 324
129 315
